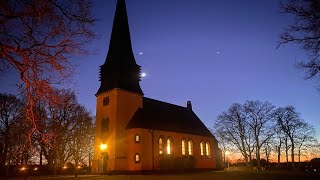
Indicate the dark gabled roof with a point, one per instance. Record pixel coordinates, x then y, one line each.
163 116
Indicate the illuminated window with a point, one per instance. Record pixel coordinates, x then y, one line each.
190 147
183 146
137 158
169 143
137 138
201 148
160 146
208 149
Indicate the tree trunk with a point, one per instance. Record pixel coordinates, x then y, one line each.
250 158
40 163
258 158
245 154
267 153
258 153
279 154
292 152
287 149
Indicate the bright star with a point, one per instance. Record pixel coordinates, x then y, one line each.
143 75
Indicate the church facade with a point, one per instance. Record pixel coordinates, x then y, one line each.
136 133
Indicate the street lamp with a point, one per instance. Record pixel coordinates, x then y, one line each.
105 157
103 147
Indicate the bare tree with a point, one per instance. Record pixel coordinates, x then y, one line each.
305 31
224 144
305 139
232 124
291 124
259 120
38 39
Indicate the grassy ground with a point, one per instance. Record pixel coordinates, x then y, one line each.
216 175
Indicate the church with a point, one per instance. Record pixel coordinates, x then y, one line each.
135 133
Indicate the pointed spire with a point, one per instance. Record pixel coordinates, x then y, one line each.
120 48
120 69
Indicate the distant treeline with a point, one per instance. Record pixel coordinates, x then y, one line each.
65 134
259 130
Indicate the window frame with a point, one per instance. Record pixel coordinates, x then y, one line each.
190 147
105 125
183 147
160 147
135 138
169 139
135 158
202 148
106 101
208 149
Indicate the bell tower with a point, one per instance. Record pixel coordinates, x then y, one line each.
118 98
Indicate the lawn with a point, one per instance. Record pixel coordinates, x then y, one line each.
215 175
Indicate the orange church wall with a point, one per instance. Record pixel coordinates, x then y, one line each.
122 106
120 141
145 146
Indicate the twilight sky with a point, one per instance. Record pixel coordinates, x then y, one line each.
212 52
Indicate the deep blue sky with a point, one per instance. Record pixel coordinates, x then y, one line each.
212 52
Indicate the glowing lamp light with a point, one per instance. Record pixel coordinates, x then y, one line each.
103 147
35 169
79 167
23 168
64 167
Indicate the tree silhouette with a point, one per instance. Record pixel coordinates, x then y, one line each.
38 39
304 31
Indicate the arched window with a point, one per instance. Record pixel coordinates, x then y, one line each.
105 125
190 147
208 149
201 148
160 146
137 158
183 146
169 145
137 138
106 101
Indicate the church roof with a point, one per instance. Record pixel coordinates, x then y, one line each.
158 115
120 69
